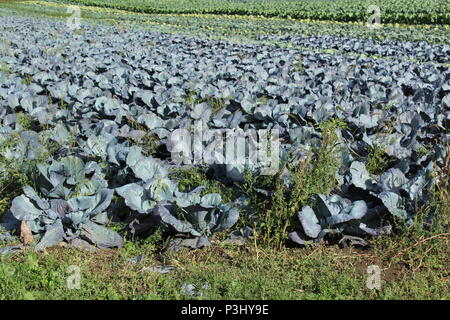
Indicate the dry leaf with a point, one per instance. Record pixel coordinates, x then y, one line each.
25 233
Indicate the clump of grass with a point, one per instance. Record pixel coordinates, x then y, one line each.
18 173
192 99
14 175
298 65
377 160
148 142
191 178
215 103
24 120
262 100
27 80
5 68
231 273
63 104
440 197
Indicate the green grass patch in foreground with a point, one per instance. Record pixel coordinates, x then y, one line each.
249 272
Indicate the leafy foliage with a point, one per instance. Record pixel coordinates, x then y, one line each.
398 11
92 120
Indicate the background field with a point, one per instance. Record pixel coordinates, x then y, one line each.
398 11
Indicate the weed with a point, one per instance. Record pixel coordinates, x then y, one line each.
262 100
62 104
440 197
298 65
13 176
148 142
24 120
215 103
377 160
5 68
27 80
18 173
191 178
423 151
192 99
277 220
315 174
78 32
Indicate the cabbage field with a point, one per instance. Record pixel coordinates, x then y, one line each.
356 118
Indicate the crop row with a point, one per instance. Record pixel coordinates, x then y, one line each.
392 11
236 28
421 51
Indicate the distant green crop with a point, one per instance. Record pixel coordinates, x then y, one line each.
392 11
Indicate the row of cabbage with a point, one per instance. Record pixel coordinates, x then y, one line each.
392 11
237 27
97 95
417 51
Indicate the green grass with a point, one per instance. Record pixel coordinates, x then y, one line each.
5 69
249 272
27 80
377 160
298 65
